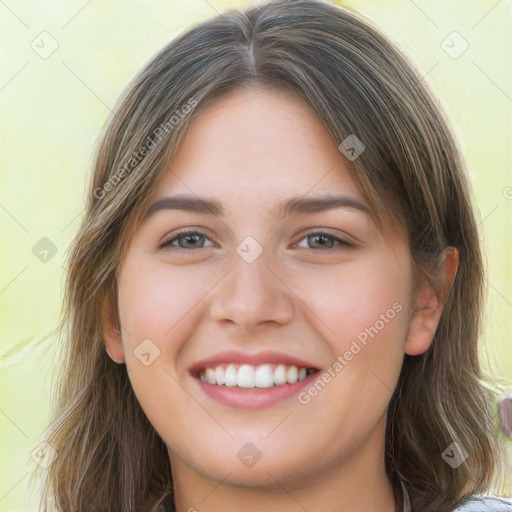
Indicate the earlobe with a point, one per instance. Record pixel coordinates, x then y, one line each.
428 306
112 336
114 346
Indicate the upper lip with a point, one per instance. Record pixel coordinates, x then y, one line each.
236 357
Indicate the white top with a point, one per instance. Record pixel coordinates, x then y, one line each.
474 504
486 504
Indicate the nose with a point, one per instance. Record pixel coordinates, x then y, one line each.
251 295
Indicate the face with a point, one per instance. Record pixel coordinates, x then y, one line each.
314 302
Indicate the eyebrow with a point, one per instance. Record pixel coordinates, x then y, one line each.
293 206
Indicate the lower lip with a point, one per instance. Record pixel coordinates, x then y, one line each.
254 398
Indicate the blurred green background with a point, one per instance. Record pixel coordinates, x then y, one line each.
64 64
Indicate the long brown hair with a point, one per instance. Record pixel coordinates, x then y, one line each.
411 173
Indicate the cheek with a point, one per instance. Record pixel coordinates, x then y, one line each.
153 298
355 298
153 304
364 306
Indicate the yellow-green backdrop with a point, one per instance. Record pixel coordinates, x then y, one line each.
63 65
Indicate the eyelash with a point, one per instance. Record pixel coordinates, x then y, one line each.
166 244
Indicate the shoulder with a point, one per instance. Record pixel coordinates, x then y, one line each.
485 504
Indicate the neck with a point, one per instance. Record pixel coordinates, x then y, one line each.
357 482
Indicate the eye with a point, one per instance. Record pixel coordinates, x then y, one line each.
186 240
325 241
190 239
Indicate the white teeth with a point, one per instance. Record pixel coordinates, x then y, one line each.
292 375
280 375
264 376
231 376
210 376
247 376
219 374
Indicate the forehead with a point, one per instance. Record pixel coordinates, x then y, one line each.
256 146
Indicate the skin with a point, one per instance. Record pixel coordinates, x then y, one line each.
259 148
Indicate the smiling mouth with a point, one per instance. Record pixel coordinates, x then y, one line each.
246 376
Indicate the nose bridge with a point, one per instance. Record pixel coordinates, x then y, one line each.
251 293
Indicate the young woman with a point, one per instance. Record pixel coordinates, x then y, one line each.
279 252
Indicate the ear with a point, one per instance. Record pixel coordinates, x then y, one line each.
111 331
428 305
